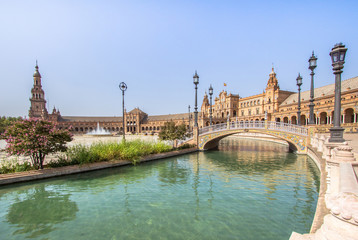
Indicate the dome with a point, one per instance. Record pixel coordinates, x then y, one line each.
36 73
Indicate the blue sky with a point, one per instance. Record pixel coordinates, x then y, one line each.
86 48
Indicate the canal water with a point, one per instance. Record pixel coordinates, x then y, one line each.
245 190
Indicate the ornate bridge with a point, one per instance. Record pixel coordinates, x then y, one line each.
295 136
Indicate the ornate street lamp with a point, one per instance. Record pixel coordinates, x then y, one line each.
338 54
299 83
196 82
123 88
211 104
312 65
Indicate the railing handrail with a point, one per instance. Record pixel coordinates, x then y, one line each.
284 127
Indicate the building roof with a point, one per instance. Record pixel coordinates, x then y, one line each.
346 85
168 117
90 119
137 111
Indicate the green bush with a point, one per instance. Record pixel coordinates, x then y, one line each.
98 152
15 167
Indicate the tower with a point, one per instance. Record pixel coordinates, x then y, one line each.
272 92
37 100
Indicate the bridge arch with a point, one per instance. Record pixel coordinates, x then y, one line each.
295 136
213 143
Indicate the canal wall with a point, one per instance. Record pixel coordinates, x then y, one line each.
67 170
336 214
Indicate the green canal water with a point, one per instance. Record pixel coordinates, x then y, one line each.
245 190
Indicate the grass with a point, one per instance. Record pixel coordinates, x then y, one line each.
98 152
13 166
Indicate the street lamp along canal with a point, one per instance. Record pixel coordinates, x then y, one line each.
211 104
299 83
196 82
123 88
337 54
312 65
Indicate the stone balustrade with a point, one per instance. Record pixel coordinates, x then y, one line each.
341 197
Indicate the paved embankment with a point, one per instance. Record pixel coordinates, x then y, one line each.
54 172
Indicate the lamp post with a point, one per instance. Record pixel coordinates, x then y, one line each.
123 88
211 104
196 82
299 83
312 65
337 54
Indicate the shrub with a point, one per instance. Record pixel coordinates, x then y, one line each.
125 150
35 138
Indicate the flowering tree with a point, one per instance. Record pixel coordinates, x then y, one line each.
35 138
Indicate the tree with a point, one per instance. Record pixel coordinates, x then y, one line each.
7 121
35 138
172 132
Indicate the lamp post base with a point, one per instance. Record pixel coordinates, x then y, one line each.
336 134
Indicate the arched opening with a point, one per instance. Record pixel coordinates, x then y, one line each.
81 129
293 120
278 119
76 129
150 128
349 115
234 113
154 128
213 142
323 118
285 119
222 114
207 123
303 119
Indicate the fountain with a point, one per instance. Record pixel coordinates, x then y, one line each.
99 132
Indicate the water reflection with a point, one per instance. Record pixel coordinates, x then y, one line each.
248 188
174 173
39 210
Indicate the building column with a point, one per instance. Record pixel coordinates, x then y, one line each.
307 121
355 118
343 118
327 120
330 119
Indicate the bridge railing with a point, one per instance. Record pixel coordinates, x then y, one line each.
285 127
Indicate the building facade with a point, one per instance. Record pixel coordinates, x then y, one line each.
277 105
135 121
273 104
